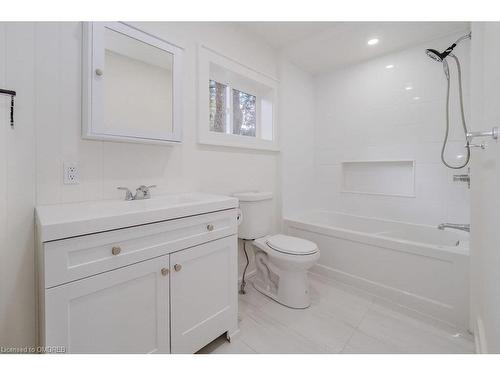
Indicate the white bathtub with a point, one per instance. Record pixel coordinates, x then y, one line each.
416 266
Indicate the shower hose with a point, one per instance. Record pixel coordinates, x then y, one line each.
462 113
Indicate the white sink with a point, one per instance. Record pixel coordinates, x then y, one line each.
76 219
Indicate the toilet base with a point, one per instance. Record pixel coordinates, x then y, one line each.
302 302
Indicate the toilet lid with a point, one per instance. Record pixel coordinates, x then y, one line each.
291 245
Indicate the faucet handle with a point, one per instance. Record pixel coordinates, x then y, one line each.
143 191
128 194
147 193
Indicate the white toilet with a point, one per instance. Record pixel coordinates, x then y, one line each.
282 261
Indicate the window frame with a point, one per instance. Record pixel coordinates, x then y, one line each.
207 58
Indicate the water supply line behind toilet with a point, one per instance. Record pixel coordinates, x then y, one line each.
239 219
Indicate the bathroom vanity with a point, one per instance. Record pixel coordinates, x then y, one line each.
150 276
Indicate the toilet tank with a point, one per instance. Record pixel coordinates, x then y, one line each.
257 211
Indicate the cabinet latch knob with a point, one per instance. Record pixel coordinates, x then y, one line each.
164 271
177 267
116 250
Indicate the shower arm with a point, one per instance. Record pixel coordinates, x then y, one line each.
448 51
466 36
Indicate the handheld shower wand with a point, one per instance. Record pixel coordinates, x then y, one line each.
441 57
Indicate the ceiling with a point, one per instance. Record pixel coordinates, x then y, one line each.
321 46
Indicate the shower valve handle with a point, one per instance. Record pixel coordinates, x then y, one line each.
483 146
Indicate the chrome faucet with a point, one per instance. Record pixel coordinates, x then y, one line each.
142 192
128 194
464 227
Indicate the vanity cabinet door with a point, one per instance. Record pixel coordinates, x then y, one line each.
203 294
120 311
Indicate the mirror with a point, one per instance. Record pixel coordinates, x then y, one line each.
133 89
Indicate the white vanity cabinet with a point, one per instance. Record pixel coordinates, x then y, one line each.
161 287
121 311
202 295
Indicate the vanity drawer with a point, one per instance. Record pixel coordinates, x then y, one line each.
75 258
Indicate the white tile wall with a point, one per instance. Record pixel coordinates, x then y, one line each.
364 112
297 138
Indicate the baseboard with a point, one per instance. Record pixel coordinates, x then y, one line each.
425 307
480 337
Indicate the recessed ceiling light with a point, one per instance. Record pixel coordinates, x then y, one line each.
373 41
390 66
416 98
408 88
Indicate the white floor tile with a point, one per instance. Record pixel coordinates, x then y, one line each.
341 319
409 335
326 330
251 300
413 317
361 343
267 335
334 300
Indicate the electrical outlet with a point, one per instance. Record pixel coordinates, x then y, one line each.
71 174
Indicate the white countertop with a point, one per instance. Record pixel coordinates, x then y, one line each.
75 219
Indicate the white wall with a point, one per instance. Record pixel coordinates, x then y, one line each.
17 186
297 138
485 174
105 165
43 61
364 113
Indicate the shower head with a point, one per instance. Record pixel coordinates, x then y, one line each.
440 56
435 55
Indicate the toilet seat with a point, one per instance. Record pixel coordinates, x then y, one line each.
290 245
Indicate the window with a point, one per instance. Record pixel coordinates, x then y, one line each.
219 106
238 108
244 113
232 115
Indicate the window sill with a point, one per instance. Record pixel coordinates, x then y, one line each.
241 142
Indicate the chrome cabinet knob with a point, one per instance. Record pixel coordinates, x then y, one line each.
210 227
116 250
177 267
99 72
164 271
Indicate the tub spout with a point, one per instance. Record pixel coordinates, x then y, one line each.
464 227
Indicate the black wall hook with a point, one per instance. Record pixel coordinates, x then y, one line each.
12 95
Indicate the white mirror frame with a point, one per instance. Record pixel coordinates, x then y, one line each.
92 93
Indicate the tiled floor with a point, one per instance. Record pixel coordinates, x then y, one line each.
341 319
